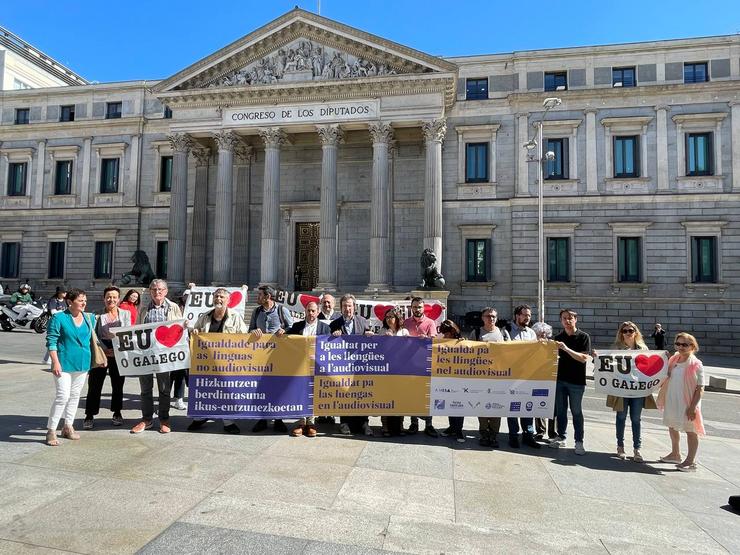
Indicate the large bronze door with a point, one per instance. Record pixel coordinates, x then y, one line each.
306 256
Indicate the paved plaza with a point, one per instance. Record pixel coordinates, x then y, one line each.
209 492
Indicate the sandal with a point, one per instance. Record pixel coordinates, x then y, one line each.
51 438
686 467
69 433
669 459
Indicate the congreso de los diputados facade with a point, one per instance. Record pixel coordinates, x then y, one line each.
318 157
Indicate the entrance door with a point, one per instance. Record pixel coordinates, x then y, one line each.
306 256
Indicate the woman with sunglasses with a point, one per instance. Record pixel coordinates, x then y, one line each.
393 325
680 399
629 337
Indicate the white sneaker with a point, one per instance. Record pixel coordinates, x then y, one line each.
556 443
368 431
344 429
579 448
180 404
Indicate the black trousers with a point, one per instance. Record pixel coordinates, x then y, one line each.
179 381
96 379
355 423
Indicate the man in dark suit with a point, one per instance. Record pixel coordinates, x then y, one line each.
311 326
351 324
328 314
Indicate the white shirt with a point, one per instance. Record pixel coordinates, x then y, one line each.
310 329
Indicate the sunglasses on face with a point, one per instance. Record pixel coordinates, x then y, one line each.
679 344
628 331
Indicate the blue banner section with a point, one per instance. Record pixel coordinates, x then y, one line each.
373 355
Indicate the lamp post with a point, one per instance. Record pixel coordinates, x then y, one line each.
541 157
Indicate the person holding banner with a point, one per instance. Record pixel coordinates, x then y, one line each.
450 330
130 302
680 399
269 317
351 324
112 317
571 384
68 340
393 325
629 337
221 319
309 327
160 309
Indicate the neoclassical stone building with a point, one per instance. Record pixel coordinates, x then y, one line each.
309 145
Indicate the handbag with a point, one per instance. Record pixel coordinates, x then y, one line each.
97 355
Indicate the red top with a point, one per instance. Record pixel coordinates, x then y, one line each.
426 327
131 308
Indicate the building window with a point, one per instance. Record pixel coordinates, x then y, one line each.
695 73
627 156
478 259
556 81
476 89
103 260
167 113
161 268
704 259
63 178
17 179
699 154
56 260
165 174
476 163
629 259
113 110
558 259
557 168
22 116
10 259
623 77
67 113
109 175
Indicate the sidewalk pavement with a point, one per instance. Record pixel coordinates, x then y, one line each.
208 492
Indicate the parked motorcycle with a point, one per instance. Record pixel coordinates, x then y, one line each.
36 317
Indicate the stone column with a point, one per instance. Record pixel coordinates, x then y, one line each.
434 133
223 226
592 179
178 232
274 138
240 245
522 168
382 135
662 146
37 192
129 190
200 216
735 141
85 174
331 136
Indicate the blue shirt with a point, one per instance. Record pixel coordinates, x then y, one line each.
269 320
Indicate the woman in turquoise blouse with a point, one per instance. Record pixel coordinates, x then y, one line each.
68 342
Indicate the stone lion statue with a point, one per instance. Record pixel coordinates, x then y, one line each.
430 276
141 273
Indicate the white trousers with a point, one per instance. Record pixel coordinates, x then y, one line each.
69 386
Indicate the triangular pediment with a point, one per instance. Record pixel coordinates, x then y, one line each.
302 47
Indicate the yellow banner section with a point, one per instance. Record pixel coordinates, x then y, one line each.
519 360
370 395
244 355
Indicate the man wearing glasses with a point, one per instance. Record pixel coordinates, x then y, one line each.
420 325
160 309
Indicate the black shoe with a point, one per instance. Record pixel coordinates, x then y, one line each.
197 425
413 428
539 436
280 426
232 429
514 441
484 441
260 426
459 437
494 444
529 441
431 431
447 432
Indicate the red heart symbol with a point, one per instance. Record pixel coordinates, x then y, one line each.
305 299
169 335
234 299
433 311
381 309
649 365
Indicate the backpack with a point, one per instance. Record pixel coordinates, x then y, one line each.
280 308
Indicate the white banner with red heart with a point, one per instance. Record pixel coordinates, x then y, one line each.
151 348
373 311
630 373
200 299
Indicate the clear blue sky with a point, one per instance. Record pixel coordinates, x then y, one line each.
106 41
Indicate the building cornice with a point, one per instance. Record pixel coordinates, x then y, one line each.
85 128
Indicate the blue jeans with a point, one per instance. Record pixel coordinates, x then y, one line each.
635 407
569 394
527 426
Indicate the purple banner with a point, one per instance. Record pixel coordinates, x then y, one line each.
373 355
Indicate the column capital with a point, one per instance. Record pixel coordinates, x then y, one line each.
435 130
588 111
181 142
662 107
522 114
733 103
202 156
381 133
226 140
273 137
243 153
330 135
